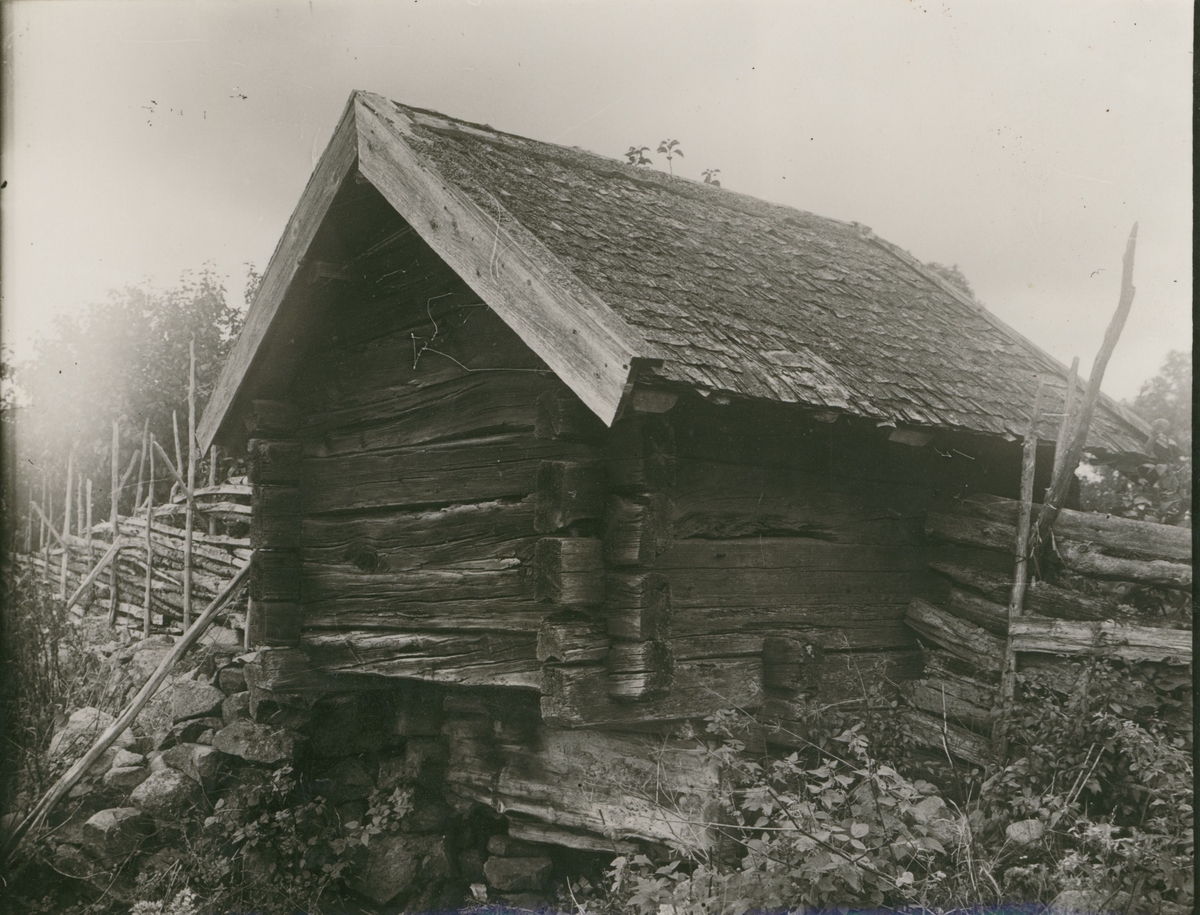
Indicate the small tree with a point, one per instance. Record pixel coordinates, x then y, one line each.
671 149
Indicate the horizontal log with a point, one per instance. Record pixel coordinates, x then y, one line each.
607 785
1150 572
273 462
569 571
719 500
636 530
237 546
962 700
567 491
536 831
1115 536
272 419
562 415
406 539
790 553
843 622
637 606
475 470
575 697
964 640
723 645
500 579
791 664
384 614
572 641
942 737
460 408
640 657
971 531
1105 639
978 610
1041 598
482 659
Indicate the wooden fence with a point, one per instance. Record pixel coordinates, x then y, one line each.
214 558
965 634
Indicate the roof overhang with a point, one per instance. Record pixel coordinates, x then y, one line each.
587 345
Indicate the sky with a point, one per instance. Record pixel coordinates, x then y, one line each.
1019 140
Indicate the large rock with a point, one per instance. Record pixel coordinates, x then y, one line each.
349 781
112 835
394 864
190 731
1025 832
145 658
254 742
517 874
235 706
232 680
123 779
166 795
190 699
197 761
80 732
422 763
128 758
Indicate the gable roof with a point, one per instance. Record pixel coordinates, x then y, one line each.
617 276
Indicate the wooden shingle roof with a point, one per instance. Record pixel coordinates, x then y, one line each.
634 277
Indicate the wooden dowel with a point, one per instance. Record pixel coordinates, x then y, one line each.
137 499
91 555
212 481
114 516
191 486
1060 486
1016 603
149 545
71 777
175 429
66 528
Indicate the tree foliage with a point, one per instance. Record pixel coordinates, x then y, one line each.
1155 485
125 359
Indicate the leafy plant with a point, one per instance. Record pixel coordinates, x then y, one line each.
671 149
637 155
710 176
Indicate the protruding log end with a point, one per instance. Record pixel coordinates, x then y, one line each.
569 571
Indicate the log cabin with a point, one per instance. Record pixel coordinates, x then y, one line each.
583 453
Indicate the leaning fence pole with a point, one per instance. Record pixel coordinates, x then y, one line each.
66 528
1060 485
48 507
91 551
191 485
1016 603
149 546
71 777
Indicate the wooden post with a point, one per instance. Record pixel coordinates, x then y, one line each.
1016 604
29 521
149 546
212 482
114 505
91 553
47 507
178 452
1060 485
191 486
62 579
137 499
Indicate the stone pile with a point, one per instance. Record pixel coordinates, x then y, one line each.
211 730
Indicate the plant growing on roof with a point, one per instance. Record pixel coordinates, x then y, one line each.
710 176
637 155
671 149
